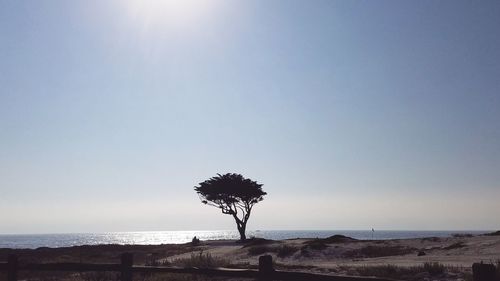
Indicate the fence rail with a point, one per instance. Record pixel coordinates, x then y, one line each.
126 268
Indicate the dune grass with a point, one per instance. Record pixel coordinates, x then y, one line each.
456 245
201 260
428 270
281 251
372 251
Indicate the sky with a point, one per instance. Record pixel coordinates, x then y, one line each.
353 114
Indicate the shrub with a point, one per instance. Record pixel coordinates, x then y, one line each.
498 269
496 233
304 251
456 245
320 244
338 239
462 235
281 251
99 276
202 261
430 239
316 244
378 251
286 251
434 268
260 249
255 241
195 241
399 272
388 270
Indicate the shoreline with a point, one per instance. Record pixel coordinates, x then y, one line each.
313 254
442 258
33 241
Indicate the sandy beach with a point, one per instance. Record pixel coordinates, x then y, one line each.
451 258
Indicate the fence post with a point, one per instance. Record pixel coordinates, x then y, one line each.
483 272
127 259
266 267
12 263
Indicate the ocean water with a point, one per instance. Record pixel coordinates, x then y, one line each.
33 241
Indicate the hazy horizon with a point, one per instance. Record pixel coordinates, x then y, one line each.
353 114
367 230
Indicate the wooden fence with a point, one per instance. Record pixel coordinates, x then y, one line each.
126 269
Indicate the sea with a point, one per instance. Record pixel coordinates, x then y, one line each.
33 241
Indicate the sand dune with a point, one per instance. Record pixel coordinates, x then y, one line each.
334 255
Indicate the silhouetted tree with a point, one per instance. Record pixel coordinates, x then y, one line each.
234 195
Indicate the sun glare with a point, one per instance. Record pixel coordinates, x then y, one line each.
169 13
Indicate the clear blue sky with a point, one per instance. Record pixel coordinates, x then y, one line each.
353 114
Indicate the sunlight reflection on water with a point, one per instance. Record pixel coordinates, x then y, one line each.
178 237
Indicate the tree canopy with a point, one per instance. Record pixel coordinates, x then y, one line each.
233 194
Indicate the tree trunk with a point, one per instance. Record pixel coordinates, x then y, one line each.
241 230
